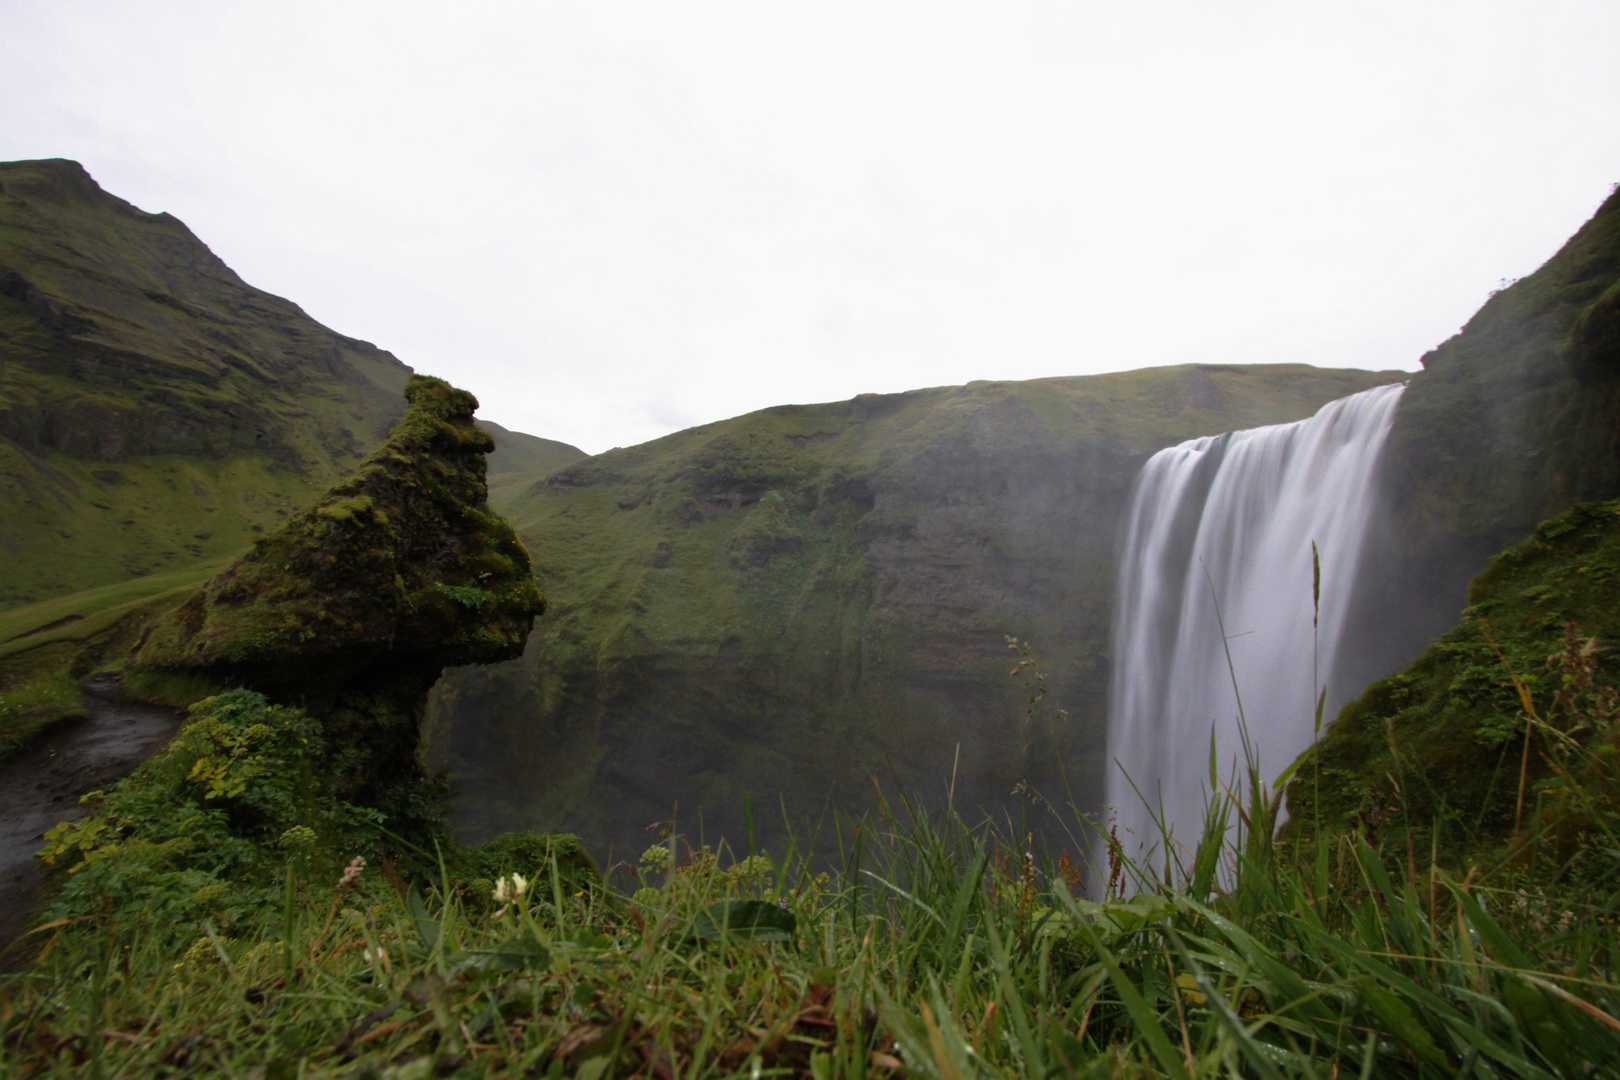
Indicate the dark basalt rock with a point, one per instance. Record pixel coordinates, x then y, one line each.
354 608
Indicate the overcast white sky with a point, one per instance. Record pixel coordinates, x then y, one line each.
613 220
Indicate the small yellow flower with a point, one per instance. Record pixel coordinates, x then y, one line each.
1188 986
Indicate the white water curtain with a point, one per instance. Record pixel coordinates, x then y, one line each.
1220 532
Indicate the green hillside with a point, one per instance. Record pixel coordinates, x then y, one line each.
518 460
155 410
1437 750
791 601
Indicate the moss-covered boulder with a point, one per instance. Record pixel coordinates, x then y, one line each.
1439 747
355 606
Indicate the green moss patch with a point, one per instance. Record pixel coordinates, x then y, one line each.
1436 751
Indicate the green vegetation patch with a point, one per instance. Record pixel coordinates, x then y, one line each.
201 829
930 948
1504 736
46 648
29 709
156 411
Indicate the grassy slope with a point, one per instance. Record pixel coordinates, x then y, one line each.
781 602
155 410
45 648
518 453
78 617
1439 746
519 460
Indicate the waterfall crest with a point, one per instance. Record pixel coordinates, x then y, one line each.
1220 531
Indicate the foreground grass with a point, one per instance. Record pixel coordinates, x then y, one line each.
936 949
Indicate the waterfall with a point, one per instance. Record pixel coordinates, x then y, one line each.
1219 532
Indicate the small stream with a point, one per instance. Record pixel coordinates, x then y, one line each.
42 787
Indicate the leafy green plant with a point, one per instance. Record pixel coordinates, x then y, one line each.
935 948
468 596
209 816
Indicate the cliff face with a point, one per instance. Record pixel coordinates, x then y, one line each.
354 607
1512 421
791 602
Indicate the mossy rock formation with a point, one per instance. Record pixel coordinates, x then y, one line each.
354 608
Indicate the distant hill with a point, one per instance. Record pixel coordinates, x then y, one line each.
794 602
156 411
516 452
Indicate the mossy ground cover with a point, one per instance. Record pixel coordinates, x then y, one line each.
1501 743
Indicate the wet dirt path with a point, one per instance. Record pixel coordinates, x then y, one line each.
43 787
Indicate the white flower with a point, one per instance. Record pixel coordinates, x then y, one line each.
509 890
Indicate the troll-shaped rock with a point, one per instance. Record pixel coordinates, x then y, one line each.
357 605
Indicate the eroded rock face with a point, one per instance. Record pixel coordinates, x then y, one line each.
354 607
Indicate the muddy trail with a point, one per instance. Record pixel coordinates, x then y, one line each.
43 786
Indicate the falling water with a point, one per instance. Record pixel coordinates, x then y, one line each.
1219 534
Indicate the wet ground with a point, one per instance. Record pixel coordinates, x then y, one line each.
43 787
